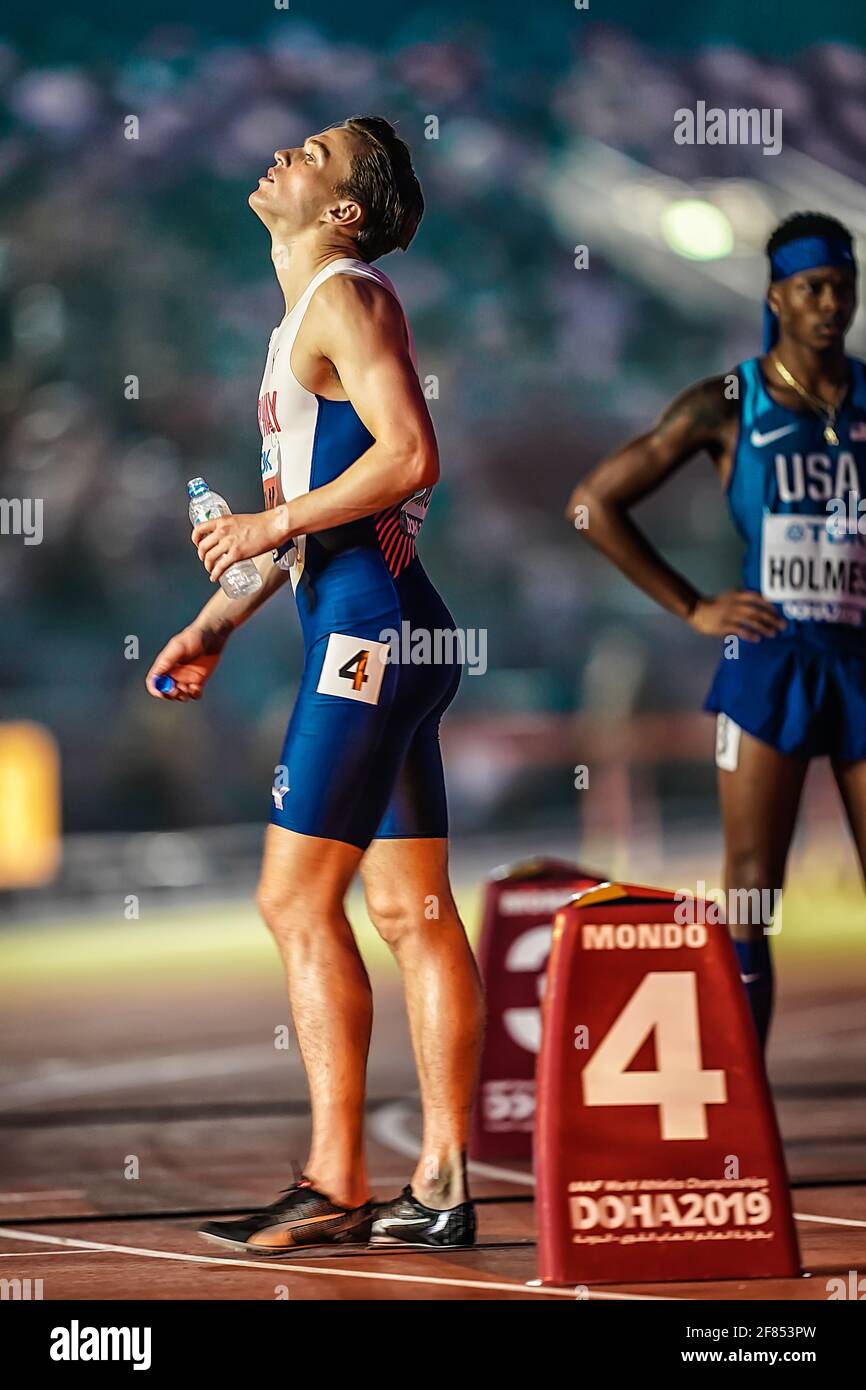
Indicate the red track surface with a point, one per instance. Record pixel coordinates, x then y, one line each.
189 1083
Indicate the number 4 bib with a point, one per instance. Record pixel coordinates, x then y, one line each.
354 668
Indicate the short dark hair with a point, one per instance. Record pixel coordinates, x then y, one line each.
808 224
383 181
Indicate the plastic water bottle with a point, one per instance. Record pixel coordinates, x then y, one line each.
241 579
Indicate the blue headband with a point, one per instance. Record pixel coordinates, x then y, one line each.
806 253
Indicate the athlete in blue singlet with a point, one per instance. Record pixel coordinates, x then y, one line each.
787 434
348 463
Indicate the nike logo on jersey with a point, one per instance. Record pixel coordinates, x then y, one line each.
749 979
758 440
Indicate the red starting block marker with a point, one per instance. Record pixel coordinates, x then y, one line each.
657 1151
520 903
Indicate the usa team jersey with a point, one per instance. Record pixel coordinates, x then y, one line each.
784 476
794 499
361 757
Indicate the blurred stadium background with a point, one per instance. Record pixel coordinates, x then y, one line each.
126 258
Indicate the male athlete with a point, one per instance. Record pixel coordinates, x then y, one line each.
348 461
787 435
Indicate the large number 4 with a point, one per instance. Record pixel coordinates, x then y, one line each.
355 669
666 1003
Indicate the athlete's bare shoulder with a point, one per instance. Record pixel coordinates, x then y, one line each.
359 302
349 317
703 416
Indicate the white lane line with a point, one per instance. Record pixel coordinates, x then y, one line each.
390 1125
102 1077
41 1192
292 1268
45 1254
829 1220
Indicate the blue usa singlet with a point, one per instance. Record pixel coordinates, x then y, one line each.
794 499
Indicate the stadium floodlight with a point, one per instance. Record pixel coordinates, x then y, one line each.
697 229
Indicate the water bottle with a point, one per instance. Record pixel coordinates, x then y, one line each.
241 579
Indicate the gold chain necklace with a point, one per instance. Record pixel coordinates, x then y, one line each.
821 407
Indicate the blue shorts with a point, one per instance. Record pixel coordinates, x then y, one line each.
805 695
361 756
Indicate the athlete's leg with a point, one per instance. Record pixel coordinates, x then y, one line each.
851 781
303 882
760 799
410 903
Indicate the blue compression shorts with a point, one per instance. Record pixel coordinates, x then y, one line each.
361 756
804 697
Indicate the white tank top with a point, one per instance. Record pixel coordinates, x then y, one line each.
289 414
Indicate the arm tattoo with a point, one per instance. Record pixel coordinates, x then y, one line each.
215 634
704 408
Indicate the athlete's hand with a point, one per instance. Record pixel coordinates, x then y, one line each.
224 540
189 658
737 612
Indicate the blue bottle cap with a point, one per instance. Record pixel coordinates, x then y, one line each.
164 684
197 487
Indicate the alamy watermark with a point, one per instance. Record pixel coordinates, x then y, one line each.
846 516
738 126
22 516
448 646
21 1290
85 1343
755 907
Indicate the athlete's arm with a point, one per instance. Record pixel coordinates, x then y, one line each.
191 656
701 418
359 328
